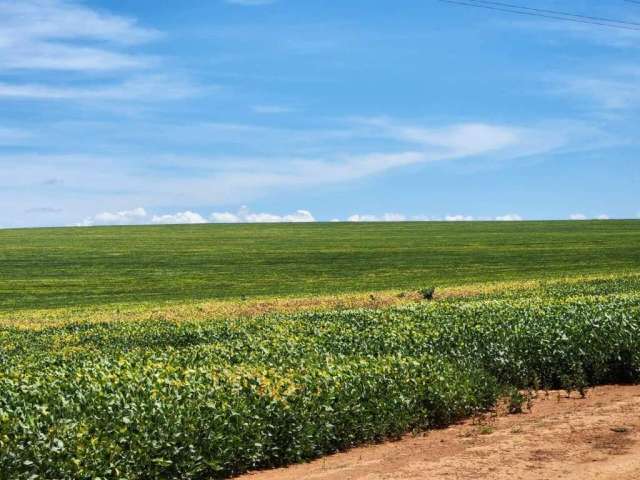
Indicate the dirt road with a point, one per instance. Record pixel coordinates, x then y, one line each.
561 438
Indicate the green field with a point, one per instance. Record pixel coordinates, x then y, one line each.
199 352
84 266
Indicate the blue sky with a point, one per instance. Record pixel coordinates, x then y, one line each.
247 110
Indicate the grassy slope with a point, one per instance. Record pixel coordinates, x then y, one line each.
84 266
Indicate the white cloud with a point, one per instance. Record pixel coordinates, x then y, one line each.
458 218
362 218
577 216
187 217
244 215
394 217
123 217
224 217
603 216
139 216
399 217
509 217
298 216
387 217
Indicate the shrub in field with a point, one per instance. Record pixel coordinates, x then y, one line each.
516 401
427 293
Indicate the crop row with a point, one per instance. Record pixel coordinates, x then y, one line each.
201 399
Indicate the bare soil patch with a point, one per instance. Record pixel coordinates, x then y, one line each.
597 437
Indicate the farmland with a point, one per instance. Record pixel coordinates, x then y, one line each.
86 266
134 380
200 398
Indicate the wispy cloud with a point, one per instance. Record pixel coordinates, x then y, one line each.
604 84
45 56
616 89
52 34
152 87
68 19
463 139
475 138
123 178
55 37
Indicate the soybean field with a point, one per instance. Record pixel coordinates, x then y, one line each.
201 398
202 352
61 267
